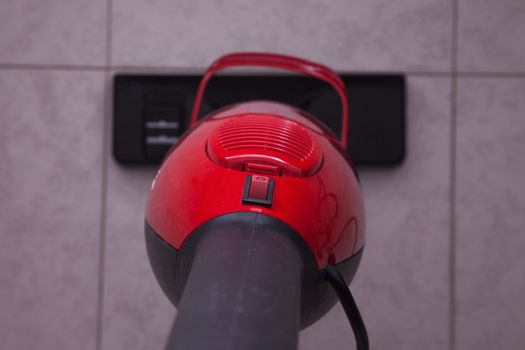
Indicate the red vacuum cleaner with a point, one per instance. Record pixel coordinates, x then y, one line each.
255 223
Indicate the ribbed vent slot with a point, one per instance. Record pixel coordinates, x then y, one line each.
278 135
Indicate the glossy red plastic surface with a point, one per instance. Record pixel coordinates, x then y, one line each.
325 208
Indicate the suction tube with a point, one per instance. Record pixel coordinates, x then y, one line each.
242 290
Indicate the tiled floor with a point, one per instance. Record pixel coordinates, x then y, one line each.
361 34
490 36
58 32
51 152
137 315
443 268
491 213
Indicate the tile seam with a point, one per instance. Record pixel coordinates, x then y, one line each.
453 185
104 179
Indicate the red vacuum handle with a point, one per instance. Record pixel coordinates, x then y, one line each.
289 63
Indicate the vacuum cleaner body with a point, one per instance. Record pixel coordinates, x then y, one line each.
267 161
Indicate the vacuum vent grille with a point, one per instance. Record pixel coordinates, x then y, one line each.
273 135
267 140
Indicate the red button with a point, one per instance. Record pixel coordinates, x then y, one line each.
259 187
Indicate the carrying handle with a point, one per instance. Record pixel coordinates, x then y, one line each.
279 61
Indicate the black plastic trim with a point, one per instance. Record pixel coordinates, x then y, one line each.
376 133
172 266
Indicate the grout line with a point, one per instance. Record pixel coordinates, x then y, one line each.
452 212
109 34
421 74
490 74
103 218
104 179
189 70
158 69
199 71
196 70
66 67
193 70
452 194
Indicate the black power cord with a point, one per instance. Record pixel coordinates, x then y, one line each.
352 312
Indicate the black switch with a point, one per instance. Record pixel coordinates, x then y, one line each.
258 190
